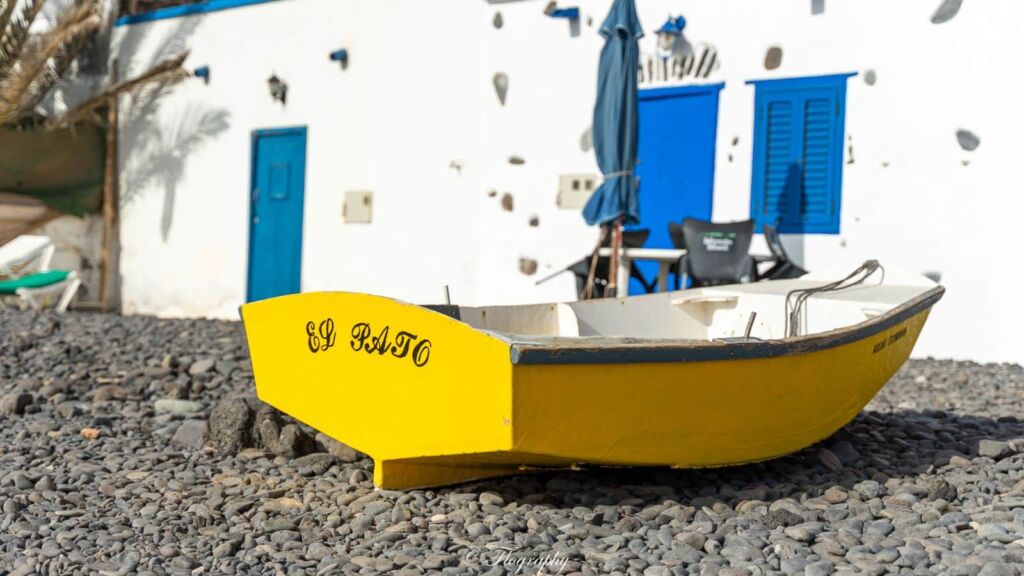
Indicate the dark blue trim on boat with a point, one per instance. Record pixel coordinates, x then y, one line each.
526 354
186 10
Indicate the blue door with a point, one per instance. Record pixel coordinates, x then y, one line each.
676 161
275 217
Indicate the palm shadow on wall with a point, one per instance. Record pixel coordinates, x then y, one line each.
156 144
160 150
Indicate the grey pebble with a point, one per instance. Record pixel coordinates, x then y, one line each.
477 529
927 480
175 406
996 449
190 434
15 403
21 481
820 568
45 484
995 569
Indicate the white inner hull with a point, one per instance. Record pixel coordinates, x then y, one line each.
703 313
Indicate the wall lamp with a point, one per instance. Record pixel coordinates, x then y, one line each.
278 89
341 56
553 11
202 72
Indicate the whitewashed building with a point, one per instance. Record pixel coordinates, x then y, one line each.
442 145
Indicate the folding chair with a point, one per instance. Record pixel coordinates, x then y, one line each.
581 269
784 268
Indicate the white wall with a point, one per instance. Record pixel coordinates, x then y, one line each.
417 95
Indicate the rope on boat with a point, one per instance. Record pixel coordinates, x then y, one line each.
796 300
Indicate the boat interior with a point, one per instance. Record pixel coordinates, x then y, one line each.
739 311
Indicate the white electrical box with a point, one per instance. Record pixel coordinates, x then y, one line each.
575 189
358 208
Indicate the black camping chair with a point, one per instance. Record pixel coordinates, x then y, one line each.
716 253
675 234
783 268
630 239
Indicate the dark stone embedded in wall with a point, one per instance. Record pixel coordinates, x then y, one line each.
498 20
870 77
528 266
773 58
968 140
507 203
534 221
492 193
735 140
946 11
501 86
516 160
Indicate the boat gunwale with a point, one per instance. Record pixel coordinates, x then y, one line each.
527 353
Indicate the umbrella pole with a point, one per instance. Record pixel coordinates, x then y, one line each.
588 288
613 268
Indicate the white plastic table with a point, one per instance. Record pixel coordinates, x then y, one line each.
665 257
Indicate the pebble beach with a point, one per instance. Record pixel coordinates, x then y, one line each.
135 445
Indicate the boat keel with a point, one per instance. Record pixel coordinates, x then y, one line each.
415 473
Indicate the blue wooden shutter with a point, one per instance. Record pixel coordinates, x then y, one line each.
820 155
798 152
779 155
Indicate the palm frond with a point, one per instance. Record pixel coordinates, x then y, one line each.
29 79
56 50
6 13
55 71
168 71
15 34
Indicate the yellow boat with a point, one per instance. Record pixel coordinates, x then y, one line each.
688 379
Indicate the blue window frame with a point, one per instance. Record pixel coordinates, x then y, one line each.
797 177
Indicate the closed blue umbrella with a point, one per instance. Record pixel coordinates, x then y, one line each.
615 124
615 118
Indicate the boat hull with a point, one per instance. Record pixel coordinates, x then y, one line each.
435 402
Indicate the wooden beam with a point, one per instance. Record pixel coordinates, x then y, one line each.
109 197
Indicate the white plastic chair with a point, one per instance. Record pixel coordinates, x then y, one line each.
25 254
25 266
